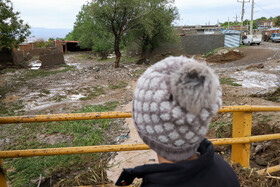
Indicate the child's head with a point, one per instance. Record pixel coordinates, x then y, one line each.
173 104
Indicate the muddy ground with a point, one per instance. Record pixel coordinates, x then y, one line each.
89 81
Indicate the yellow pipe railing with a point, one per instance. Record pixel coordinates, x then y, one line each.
125 147
241 133
105 115
63 117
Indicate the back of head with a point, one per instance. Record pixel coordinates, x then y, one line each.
173 104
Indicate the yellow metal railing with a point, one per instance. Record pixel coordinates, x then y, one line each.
240 141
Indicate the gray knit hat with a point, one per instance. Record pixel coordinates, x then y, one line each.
173 104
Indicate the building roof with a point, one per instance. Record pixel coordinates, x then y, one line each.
231 32
61 41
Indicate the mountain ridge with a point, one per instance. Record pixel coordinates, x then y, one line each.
46 33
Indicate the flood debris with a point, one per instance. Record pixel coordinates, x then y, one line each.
249 177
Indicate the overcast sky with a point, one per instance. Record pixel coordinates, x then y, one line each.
62 13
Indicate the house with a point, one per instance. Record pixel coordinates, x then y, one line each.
66 46
265 24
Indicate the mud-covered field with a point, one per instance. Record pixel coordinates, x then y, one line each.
88 84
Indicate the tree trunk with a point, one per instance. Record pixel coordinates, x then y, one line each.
145 52
117 52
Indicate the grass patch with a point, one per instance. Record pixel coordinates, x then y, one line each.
123 60
8 70
107 60
31 74
3 91
58 98
264 119
44 92
229 81
120 85
9 109
84 56
242 46
93 92
128 60
139 72
272 96
211 53
222 129
26 171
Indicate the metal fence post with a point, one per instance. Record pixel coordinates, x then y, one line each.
241 127
3 182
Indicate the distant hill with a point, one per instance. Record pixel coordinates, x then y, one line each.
46 33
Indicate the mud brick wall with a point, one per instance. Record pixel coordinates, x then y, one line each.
201 43
9 58
6 56
51 58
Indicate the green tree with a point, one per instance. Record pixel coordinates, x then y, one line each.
12 29
40 43
91 34
118 17
155 27
277 22
262 18
69 36
106 24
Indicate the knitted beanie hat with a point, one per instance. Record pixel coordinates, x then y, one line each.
173 104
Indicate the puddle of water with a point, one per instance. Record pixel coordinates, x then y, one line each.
77 65
75 96
251 79
36 64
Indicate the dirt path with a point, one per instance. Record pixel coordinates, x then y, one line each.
254 55
130 159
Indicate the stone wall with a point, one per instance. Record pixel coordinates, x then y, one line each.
9 58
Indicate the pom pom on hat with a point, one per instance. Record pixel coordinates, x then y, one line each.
194 87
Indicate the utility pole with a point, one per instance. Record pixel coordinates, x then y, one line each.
236 18
242 14
228 23
252 18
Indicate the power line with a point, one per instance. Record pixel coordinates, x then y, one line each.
265 10
236 17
